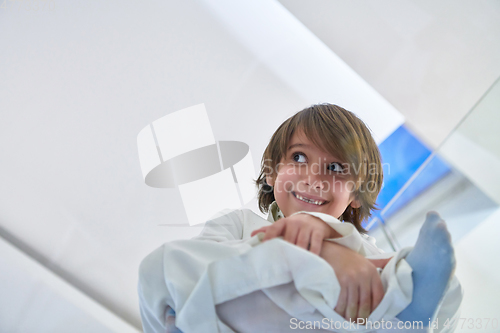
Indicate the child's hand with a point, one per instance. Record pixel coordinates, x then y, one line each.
381 263
361 289
302 230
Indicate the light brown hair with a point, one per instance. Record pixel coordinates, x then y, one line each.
341 133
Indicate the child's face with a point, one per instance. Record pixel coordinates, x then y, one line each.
312 173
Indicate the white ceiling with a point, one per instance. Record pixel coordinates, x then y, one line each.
79 82
432 60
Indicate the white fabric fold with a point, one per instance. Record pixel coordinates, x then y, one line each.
224 263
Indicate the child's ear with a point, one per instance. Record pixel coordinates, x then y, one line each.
270 181
355 204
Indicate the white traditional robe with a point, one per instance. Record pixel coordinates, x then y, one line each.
224 263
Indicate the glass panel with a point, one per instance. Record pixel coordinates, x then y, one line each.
464 186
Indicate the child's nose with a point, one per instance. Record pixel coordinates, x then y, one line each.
316 181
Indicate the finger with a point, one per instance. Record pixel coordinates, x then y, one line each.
274 231
380 262
377 292
341 302
365 297
291 232
316 242
255 232
352 303
303 238
263 229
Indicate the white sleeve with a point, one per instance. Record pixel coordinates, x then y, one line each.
169 275
153 294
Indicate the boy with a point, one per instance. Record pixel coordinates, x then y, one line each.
324 168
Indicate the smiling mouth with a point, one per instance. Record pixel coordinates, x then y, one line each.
310 201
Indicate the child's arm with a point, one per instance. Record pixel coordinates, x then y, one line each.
326 225
305 231
361 286
380 263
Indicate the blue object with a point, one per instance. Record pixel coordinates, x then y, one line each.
402 154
